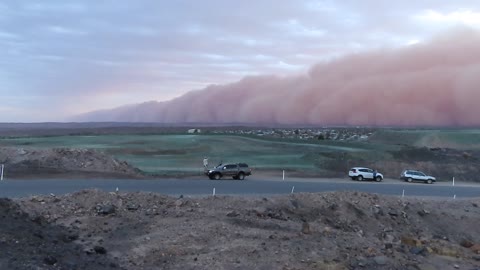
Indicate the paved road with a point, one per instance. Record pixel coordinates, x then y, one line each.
201 186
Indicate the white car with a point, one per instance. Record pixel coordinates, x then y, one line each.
412 175
362 173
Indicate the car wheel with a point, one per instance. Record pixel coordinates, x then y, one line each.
241 176
429 181
360 178
409 180
217 176
378 179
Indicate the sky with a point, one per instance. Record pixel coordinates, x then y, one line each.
62 58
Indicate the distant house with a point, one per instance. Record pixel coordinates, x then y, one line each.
194 130
363 137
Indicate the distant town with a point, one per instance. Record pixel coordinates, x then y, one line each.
334 134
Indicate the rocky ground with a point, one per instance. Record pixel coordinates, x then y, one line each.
61 162
345 230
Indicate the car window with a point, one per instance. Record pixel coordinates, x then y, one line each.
243 165
421 174
230 167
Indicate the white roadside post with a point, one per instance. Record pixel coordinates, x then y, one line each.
403 193
453 184
283 177
213 192
293 188
1 176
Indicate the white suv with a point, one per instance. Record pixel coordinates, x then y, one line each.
412 175
361 173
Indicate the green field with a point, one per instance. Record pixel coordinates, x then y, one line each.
163 154
182 154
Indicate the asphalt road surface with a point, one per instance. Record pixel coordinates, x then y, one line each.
251 186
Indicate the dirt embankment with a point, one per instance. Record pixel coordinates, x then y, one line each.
62 162
443 163
345 230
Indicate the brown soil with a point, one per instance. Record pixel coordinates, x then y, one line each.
344 230
63 162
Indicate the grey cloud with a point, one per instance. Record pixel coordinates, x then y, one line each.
55 6
65 31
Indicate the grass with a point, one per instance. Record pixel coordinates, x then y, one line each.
183 154
164 154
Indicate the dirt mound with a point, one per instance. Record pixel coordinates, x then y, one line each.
30 242
344 230
25 162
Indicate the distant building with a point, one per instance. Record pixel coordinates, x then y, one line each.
363 137
194 130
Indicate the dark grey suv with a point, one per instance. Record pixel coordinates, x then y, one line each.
234 170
